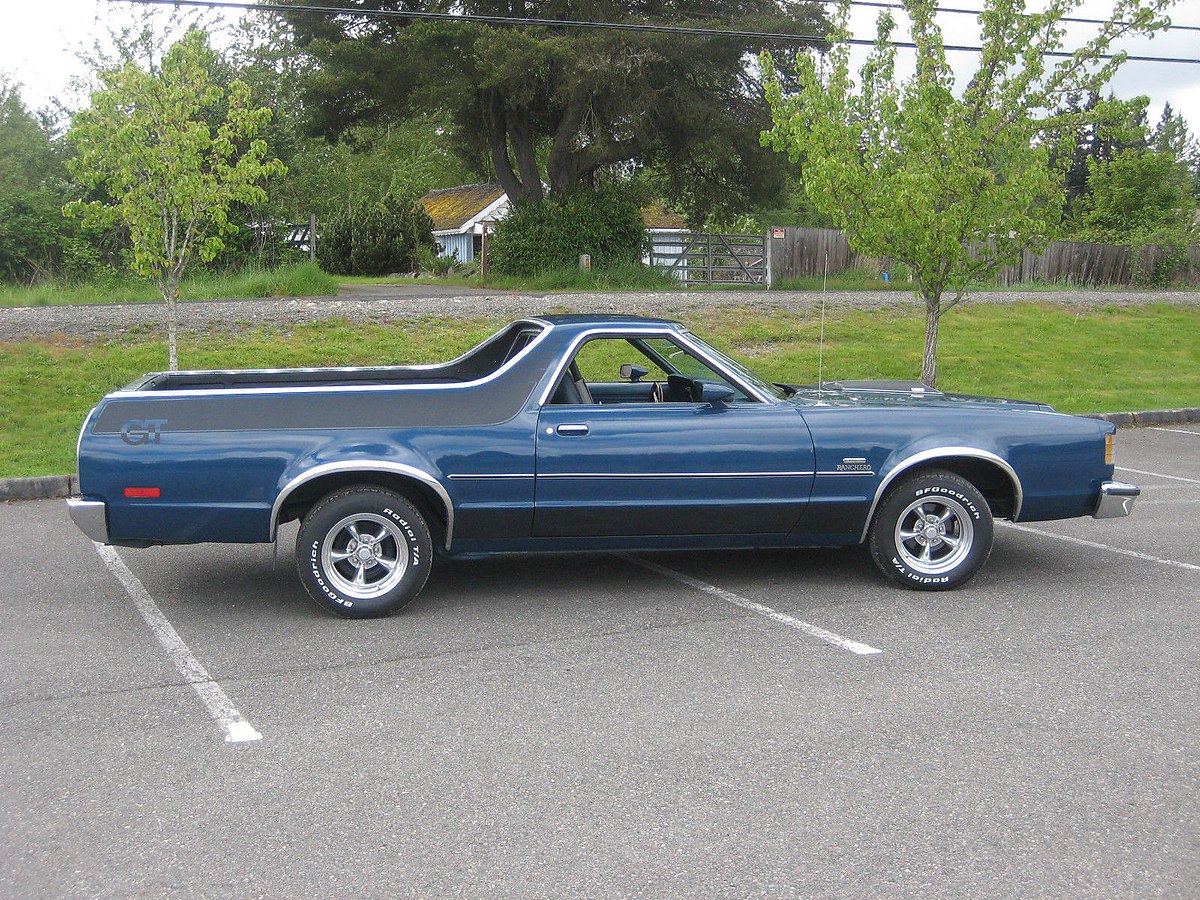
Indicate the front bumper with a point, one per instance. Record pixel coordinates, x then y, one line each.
91 516
1116 500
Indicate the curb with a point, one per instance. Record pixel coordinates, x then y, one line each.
1150 417
50 486
42 488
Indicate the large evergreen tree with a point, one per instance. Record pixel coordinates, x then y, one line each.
558 106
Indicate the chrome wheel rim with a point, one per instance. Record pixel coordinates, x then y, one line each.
364 556
934 536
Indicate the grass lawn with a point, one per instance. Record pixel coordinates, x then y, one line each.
1101 360
300 280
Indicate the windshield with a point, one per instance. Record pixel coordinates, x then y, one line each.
741 371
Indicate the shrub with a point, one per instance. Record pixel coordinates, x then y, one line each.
542 237
374 238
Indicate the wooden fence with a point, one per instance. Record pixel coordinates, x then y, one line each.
801 252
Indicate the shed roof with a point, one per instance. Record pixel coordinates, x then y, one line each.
656 215
452 208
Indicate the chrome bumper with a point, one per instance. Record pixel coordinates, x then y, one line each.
1116 500
91 516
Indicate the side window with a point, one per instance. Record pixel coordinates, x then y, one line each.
681 362
660 371
601 360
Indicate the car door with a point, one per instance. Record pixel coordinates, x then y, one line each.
736 466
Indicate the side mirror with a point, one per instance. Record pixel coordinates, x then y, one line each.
715 394
634 373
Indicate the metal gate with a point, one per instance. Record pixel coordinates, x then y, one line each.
696 258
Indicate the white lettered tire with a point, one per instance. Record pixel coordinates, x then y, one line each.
363 552
932 532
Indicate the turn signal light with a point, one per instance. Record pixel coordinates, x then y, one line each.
137 493
1109 441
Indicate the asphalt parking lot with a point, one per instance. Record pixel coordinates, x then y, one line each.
711 725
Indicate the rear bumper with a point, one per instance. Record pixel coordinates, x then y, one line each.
91 516
1116 500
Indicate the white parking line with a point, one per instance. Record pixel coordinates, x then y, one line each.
237 729
1178 431
819 633
1158 475
1098 546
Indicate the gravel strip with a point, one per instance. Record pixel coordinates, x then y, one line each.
390 303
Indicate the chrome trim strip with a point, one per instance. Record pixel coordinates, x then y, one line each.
83 430
364 465
91 516
493 476
945 453
351 388
644 331
618 475
487 477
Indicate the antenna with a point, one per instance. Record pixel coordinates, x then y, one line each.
821 344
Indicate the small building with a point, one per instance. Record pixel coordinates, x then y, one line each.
458 215
667 232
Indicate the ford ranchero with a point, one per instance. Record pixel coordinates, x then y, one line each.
576 433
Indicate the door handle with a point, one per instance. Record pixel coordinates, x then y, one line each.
572 430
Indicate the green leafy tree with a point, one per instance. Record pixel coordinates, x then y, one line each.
1095 129
1135 194
173 151
953 184
33 187
1172 136
1142 199
561 107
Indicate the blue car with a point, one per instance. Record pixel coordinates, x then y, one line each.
576 433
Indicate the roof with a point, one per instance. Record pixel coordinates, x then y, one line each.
655 215
452 208
602 320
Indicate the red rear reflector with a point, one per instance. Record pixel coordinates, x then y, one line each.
142 493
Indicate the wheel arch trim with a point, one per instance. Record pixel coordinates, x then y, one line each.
366 467
944 453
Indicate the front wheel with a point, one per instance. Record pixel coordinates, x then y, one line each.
363 552
932 532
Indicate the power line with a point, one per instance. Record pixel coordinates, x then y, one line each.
518 21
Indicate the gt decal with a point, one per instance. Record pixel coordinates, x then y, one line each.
137 432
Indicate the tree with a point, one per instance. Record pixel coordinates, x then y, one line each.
1136 194
561 106
1142 199
953 184
33 188
1172 136
1096 129
173 151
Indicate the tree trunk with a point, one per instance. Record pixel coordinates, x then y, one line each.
170 291
933 315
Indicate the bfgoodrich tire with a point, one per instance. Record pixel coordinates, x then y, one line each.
932 532
363 552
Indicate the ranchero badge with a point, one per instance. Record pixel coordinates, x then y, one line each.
853 464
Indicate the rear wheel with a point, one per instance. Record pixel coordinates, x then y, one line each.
932 532
363 552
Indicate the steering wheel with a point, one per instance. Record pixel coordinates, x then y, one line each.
656 392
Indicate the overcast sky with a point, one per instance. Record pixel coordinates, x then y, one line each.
39 38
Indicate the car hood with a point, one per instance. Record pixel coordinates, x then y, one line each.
895 393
